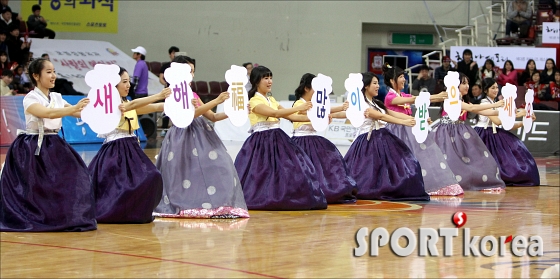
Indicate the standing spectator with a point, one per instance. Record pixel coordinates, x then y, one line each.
7 77
442 70
477 93
424 82
519 16
172 50
140 76
468 67
547 75
38 23
6 19
17 49
508 74
526 75
249 67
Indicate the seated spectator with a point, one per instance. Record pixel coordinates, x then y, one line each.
38 23
46 56
541 92
477 93
526 75
519 16
442 70
4 64
17 49
15 16
547 75
3 37
6 19
424 82
7 77
555 87
508 74
489 70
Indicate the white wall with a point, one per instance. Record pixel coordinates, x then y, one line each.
289 37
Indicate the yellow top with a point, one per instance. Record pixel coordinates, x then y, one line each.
299 124
124 123
259 99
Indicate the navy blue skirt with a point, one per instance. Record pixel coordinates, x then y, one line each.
45 193
127 184
277 175
517 165
385 169
335 180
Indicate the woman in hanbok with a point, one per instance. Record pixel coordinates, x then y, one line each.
338 186
517 165
275 173
382 165
439 180
127 184
199 178
45 185
465 153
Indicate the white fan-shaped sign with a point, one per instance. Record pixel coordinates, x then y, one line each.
178 105
102 114
528 118
420 130
357 105
508 111
235 107
319 113
452 105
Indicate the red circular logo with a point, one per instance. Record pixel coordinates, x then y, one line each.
459 219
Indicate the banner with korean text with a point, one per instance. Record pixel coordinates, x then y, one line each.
518 55
72 59
96 16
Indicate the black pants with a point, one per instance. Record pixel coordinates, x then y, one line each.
45 32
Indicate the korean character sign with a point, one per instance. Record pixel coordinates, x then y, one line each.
357 104
420 130
528 118
102 114
452 105
508 111
178 105
319 113
235 107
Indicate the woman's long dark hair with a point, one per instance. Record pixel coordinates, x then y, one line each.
367 77
391 73
504 68
257 74
465 97
305 82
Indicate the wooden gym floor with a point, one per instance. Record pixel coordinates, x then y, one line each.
298 244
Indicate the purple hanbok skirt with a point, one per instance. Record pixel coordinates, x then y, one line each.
127 185
45 193
336 182
199 178
385 169
439 180
467 156
276 174
517 165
